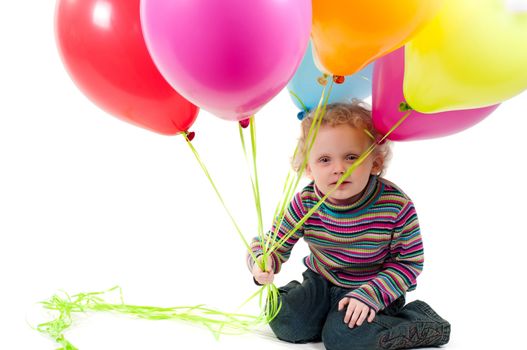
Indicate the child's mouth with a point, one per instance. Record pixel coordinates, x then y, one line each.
342 184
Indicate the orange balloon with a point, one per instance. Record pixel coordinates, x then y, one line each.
349 34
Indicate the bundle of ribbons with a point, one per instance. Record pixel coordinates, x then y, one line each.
218 322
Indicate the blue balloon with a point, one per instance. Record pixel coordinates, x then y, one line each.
305 90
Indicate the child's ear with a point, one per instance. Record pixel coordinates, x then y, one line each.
377 165
308 172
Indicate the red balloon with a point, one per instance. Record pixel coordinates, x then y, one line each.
104 51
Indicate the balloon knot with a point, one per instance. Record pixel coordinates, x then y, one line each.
301 115
190 135
323 80
404 106
338 79
245 123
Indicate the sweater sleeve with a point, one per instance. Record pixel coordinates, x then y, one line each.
400 271
293 214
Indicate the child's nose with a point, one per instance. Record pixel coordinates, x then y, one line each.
340 168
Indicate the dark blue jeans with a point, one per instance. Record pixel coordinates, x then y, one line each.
310 313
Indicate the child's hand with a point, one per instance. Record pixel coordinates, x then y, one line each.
263 277
356 312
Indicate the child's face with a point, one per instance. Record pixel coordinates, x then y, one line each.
334 151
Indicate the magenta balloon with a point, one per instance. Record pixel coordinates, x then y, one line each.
388 76
229 57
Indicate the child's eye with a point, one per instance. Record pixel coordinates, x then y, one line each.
351 157
323 159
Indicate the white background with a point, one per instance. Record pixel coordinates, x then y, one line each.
88 202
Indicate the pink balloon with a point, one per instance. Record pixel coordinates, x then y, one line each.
388 77
229 57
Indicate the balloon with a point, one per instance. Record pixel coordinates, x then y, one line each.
229 57
473 54
305 85
103 49
387 95
348 35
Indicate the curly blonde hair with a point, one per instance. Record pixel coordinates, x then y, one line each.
356 114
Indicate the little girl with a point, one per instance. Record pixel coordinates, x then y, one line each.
365 244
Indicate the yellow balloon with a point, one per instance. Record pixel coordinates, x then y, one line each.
473 54
349 34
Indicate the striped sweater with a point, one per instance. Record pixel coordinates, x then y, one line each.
373 246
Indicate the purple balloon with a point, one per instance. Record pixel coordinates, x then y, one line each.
229 57
388 76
